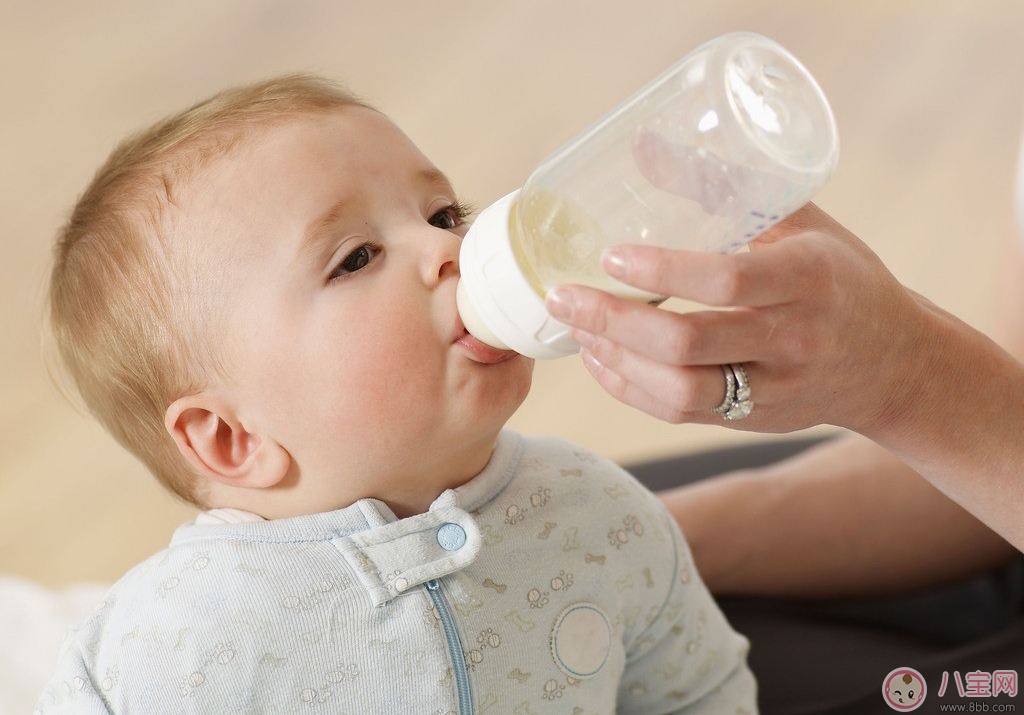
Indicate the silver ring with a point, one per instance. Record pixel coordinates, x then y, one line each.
730 392
742 405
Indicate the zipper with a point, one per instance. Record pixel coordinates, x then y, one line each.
451 634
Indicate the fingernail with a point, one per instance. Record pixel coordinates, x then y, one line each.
560 304
591 360
615 264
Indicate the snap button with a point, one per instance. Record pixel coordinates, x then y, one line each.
401 583
452 537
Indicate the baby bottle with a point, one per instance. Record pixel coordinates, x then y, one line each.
726 142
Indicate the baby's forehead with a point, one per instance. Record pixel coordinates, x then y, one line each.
224 150
353 147
273 186
278 149
354 127
196 177
290 172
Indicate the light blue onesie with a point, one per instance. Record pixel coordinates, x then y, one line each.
552 582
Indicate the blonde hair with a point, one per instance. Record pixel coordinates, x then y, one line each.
131 327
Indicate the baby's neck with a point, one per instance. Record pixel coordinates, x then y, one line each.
407 491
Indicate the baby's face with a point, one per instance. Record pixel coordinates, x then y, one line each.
905 690
340 253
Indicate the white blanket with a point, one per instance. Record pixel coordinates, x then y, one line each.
33 621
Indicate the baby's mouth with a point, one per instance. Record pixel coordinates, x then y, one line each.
479 351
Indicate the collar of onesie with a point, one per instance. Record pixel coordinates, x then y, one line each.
389 555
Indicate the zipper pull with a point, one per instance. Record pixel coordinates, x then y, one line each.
432 584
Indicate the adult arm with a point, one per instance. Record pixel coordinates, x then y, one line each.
844 518
963 427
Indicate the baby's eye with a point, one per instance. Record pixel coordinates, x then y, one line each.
454 215
911 694
355 261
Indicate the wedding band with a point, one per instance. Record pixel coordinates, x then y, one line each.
741 405
742 383
730 392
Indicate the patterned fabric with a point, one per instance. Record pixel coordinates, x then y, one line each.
552 582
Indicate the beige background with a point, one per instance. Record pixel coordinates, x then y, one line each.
927 96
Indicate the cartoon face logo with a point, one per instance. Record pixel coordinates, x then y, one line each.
903 689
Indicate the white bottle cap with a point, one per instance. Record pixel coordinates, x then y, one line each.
497 304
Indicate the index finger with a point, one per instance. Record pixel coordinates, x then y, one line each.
778 273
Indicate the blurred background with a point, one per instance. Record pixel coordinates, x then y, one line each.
927 95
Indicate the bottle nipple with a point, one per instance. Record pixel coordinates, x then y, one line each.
471 319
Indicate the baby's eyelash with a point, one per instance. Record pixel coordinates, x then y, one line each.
374 248
462 210
456 212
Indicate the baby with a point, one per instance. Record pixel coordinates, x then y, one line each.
257 298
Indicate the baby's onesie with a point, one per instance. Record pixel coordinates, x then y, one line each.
552 582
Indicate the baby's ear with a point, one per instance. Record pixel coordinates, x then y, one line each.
214 441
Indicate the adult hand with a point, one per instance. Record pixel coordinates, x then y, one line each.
825 332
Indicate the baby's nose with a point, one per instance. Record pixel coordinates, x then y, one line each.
441 258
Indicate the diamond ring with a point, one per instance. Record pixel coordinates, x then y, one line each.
730 392
737 403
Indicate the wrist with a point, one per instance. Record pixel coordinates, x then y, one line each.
952 374
908 373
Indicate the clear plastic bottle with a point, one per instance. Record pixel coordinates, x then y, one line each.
726 142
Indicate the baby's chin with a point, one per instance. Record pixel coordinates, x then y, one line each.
521 379
503 396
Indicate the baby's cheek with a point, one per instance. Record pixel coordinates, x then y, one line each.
397 383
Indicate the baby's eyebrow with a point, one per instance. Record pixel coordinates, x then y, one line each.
320 229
